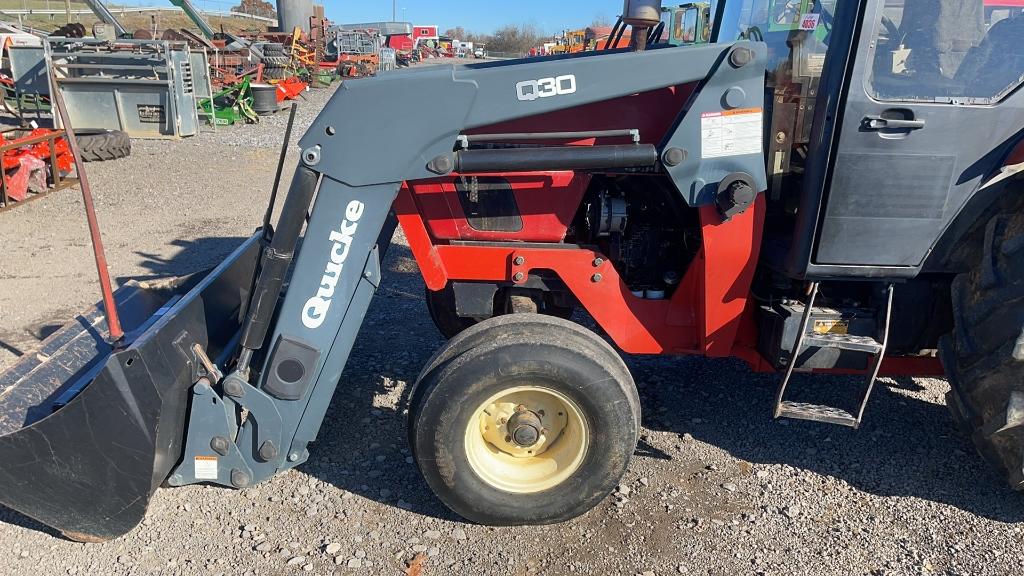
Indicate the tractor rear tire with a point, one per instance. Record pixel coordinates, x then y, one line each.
984 356
102 145
580 393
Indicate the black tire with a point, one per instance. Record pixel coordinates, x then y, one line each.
275 73
441 306
984 356
500 354
276 60
102 145
273 49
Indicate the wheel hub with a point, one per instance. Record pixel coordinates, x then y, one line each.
526 439
525 427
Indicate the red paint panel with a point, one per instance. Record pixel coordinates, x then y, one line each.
1017 155
730 254
703 316
547 203
1007 3
711 312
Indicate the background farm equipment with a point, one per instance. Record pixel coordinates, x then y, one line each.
231 105
35 163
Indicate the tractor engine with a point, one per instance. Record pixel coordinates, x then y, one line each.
642 226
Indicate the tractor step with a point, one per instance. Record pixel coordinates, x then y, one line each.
849 342
816 413
844 342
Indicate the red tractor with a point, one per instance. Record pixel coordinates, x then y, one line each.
826 187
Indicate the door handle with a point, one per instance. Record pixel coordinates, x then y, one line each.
880 123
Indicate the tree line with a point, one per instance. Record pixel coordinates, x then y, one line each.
511 39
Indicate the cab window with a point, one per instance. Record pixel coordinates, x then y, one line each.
948 50
689 31
797 34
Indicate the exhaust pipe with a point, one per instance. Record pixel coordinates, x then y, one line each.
642 15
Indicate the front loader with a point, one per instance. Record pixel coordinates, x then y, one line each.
835 191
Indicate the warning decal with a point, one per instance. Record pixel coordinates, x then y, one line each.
206 467
731 133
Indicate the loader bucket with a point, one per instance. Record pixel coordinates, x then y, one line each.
88 432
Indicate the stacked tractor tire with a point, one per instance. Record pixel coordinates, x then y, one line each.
72 30
275 61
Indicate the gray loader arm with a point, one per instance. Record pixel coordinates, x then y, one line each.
354 162
103 13
197 18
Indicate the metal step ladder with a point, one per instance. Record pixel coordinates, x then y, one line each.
828 414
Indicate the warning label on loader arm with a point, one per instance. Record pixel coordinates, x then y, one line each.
731 133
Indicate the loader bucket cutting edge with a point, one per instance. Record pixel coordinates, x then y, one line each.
88 433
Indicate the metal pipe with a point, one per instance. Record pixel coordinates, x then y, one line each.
556 158
280 169
109 305
632 133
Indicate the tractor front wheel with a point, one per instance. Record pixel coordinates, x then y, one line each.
524 419
984 356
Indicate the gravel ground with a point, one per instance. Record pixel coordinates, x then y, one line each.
716 488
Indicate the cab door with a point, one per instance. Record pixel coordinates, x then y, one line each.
934 90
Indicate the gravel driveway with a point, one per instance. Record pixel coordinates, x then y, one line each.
716 488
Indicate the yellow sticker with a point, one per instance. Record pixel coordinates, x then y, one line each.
831 327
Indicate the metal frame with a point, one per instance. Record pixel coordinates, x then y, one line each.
59 182
108 85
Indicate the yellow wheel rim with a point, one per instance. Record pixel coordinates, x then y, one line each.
526 439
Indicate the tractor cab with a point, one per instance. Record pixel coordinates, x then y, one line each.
688 24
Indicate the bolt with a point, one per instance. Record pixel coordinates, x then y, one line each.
598 262
520 408
519 277
740 57
543 431
268 451
239 479
368 274
508 438
293 457
232 387
219 444
519 261
596 278
441 165
311 155
502 420
175 480
674 157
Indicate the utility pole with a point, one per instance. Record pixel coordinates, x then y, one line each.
394 10
67 9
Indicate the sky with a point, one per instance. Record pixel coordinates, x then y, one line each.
478 15
483 16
